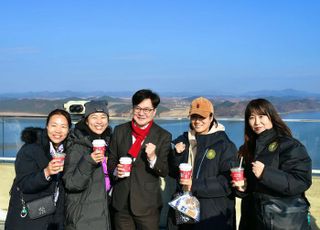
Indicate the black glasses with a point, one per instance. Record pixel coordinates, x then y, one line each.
137 109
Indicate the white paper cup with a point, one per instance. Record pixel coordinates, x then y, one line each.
185 171
126 162
99 144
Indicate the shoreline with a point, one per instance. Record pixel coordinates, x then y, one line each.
160 118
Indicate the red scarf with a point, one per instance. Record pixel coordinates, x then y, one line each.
140 135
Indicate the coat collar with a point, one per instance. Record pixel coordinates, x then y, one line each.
264 139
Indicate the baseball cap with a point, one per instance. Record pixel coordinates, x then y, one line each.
201 106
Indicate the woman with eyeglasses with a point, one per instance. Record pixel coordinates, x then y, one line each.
137 198
209 151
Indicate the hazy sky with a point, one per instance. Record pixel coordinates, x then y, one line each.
165 45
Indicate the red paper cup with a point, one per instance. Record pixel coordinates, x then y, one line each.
99 144
185 171
237 174
127 163
59 156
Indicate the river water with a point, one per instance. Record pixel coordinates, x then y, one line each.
305 127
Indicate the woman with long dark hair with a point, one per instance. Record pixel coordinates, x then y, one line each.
278 172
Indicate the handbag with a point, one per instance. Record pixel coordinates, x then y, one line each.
289 213
286 213
40 207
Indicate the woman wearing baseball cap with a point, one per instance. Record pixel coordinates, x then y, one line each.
210 152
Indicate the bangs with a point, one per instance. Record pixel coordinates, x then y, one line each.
258 109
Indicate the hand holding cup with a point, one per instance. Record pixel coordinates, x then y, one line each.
238 180
99 148
54 167
185 176
97 156
124 168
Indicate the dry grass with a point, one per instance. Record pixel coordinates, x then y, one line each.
7 175
313 194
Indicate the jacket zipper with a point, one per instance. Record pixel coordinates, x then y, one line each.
197 175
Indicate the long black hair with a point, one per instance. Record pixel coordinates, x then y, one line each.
262 107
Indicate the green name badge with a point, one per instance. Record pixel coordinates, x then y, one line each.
211 154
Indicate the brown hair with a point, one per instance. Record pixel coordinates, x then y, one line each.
262 107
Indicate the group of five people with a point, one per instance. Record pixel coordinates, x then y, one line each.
91 191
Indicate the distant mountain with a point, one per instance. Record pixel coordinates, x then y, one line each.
64 94
286 93
169 107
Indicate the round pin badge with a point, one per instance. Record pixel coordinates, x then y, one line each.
211 154
273 146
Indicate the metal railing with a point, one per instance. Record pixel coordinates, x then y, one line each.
305 130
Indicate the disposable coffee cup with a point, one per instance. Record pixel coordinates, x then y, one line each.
59 156
126 162
99 144
237 174
185 171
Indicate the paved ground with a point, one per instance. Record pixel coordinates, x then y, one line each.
7 175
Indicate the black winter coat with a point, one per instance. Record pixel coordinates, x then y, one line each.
31 160
287 173
211 179
86 196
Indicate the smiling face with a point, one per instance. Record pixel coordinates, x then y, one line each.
144 112
57 128
199 124
97 122
259 123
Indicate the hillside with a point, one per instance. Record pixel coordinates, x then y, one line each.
169 107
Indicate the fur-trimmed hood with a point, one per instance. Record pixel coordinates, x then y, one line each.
32 135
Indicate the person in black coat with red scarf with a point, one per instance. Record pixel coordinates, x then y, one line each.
137 198
38 174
